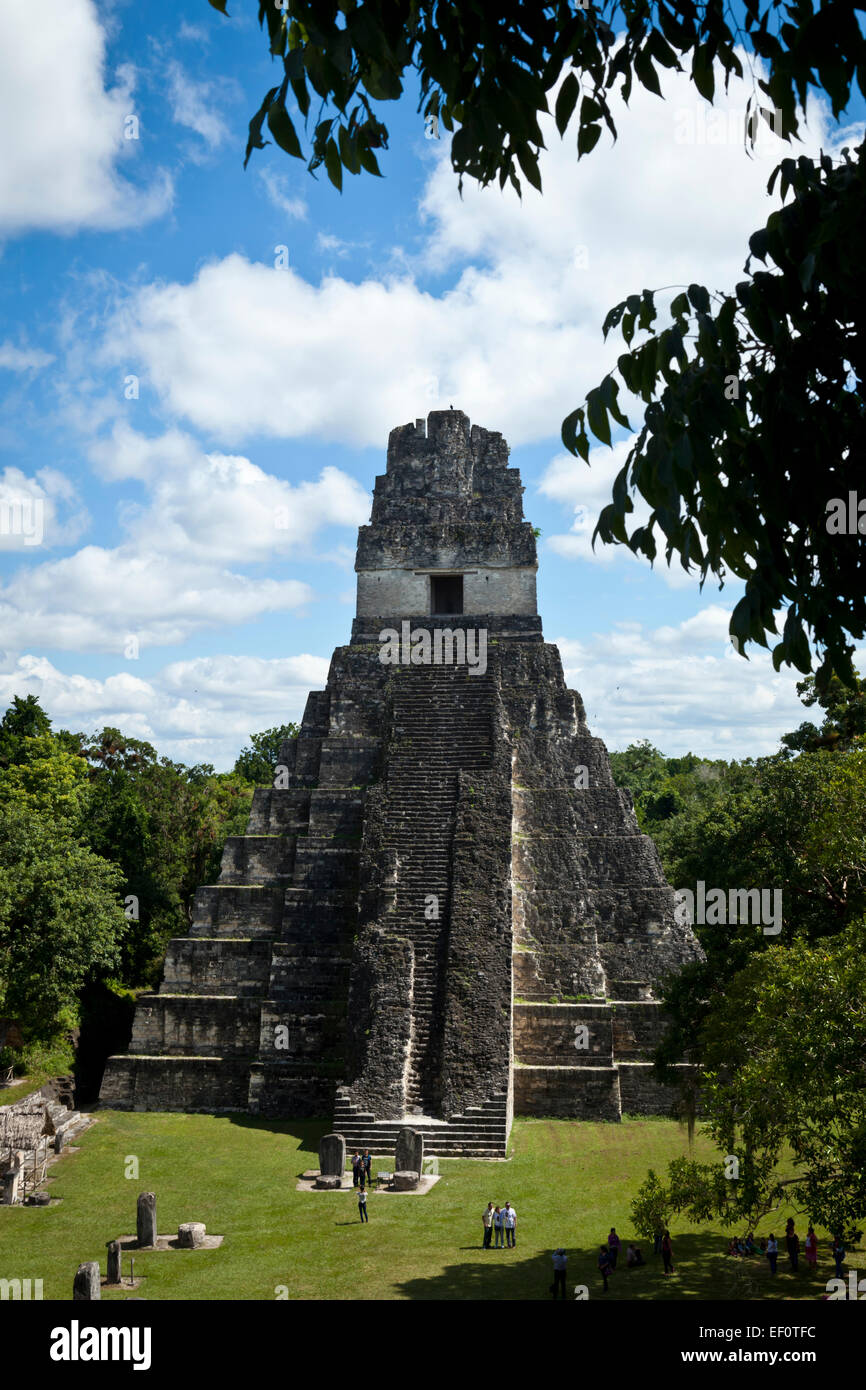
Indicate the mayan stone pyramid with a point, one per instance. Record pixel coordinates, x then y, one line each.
443 909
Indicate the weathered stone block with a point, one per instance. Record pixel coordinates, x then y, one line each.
87 1285
406 1181
332 1155
191 1234
145 1221
409 1151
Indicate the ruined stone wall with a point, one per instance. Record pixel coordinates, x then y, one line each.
490 590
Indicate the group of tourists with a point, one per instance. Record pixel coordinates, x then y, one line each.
745 1248
608 1257
362 1164
501 1223
609 1254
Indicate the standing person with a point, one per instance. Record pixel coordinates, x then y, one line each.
613 1244
487 1224
356 1165
497 1227
668 1253
604 1266
362 1203
560 1260
812 1249
772 1251
509 1225
657 1242
838 1255
792 1243
367 1161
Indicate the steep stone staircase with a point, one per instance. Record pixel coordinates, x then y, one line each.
442 724
480 1132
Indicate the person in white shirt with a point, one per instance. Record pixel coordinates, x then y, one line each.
509 1222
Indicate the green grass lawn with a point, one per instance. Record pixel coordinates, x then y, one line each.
569 1181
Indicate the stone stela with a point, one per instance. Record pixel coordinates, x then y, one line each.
444 903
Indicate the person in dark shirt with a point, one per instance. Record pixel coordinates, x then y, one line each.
560 1260
792 1243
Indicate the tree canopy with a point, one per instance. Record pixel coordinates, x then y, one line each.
774 1025
489 68
103 844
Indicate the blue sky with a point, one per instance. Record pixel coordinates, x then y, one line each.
199 368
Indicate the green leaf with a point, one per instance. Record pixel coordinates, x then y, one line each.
807 270
221 6
368 161
333 164
702 72
255 141
529 164
281 127
587 138
646 72
575 439
596 415
566 99
348 151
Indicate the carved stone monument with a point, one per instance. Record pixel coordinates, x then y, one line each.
113 1270
332 1161
87 1284
409 1151
146 1219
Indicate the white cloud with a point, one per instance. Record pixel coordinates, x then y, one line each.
16 359
277 188
93 600
196 33
587 489
193 104
515 341
327 242
64 131
171 576
684 688
196 711
44 510
221 507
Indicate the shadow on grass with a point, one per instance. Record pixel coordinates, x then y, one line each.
703 1272
307 1132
